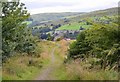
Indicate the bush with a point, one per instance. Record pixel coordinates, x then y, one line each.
101 42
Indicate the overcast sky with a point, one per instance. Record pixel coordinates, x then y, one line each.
51 6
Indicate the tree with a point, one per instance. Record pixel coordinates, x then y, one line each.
101 41
15 33
80 46
49 37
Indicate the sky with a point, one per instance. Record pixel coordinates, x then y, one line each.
57 6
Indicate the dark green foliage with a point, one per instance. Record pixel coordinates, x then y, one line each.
73 49
88 23
49 37
100 41
80 46
16 35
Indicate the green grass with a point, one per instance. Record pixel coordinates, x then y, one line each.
101 18
74 26
28 22
77 72
22 74
60 73
82 71
14 70
17 67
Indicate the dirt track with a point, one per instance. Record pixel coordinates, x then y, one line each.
46 73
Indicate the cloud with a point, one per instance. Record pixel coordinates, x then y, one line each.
45 6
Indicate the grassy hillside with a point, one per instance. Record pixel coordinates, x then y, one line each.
77 22
73 15
98 13
44 17
70 18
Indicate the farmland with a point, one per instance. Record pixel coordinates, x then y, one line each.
74 26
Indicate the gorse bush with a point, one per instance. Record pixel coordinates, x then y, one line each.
16 36
101 41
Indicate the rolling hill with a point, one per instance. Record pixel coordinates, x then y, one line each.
60 23
43 17
68 17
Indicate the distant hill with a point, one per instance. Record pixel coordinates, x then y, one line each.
98 13
74 22
69 24
42 17
55 19
60 18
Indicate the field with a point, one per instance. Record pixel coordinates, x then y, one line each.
28 22
74 26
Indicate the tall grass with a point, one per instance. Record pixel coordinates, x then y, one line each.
18 67
79 70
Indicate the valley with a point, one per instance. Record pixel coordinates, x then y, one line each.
71 24
60 46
